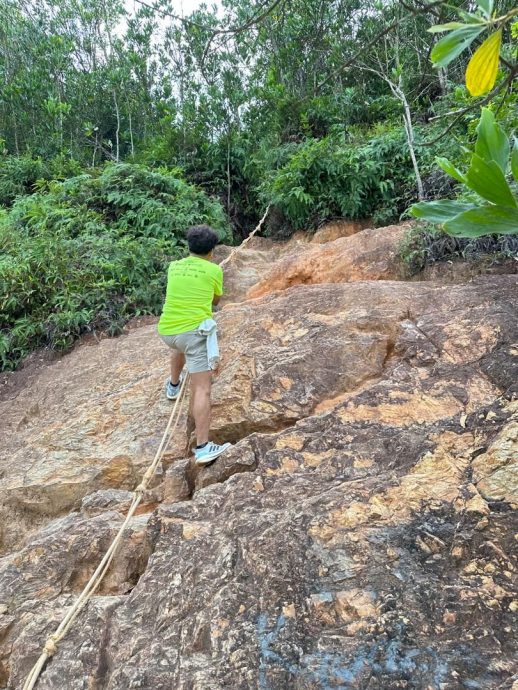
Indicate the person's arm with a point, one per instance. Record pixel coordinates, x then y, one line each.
218 287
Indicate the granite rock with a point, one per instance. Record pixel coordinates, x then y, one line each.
359 534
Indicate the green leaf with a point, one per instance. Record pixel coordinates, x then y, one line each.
452 45
470 18
446 27
485 220
514 159
450 169
486 7
492 143
439 211
487 179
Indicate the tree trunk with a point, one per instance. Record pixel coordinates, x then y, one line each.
410 140
409 129
397 90
16 146
131 133
228 171
95 150
442 73
118 127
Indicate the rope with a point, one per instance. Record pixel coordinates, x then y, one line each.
50 647
245 241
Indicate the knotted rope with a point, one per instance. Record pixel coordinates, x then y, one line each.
51 644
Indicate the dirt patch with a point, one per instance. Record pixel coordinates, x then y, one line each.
12 382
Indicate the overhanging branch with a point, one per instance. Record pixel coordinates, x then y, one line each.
477 104
219 30
377 37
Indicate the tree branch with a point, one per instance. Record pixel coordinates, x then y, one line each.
216 31
477 104
377 37
358 53
254 20
423 7
183 20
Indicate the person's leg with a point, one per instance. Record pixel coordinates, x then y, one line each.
172 385
177 364
200 404
195 347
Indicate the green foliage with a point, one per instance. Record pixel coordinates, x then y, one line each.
329 177
494 207
20 174
91 252
425 244
492 143
454 43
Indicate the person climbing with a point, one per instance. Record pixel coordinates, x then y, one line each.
194 286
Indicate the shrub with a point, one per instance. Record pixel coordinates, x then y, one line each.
329 178
20 174
489 203
425 244
91 252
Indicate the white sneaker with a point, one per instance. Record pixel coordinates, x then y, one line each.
172 392
205 455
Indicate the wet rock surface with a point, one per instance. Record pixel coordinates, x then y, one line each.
360 534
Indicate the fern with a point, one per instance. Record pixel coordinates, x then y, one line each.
90 252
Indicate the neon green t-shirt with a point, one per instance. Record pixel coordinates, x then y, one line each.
192 284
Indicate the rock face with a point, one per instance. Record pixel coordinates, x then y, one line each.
340 228
367 255
360 533
247 267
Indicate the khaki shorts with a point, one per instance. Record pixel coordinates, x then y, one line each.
193 346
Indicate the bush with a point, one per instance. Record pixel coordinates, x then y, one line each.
329 178
489 203
425 244
20 174
91 252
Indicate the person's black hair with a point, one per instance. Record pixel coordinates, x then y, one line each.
201 239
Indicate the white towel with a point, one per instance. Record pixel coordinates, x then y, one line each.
209 330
